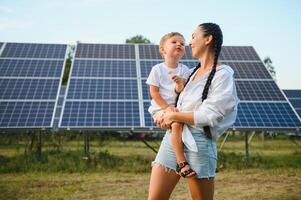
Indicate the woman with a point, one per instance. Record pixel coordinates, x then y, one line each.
208 106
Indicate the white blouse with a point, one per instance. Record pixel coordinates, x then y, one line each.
219 110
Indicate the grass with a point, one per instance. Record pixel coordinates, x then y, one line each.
120 169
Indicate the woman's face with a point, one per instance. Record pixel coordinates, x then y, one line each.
198 42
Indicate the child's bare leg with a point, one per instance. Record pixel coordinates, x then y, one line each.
176 140
177 144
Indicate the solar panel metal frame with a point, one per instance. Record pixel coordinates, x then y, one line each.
139 100
55 101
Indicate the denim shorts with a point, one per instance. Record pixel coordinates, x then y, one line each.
202 162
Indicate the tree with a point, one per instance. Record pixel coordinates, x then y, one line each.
269 65
137 39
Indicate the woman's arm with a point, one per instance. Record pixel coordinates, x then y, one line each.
182 117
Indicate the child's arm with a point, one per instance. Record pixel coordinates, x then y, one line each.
154 92
180 82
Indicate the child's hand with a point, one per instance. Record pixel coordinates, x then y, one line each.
180 82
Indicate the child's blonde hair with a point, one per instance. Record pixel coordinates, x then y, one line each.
166 37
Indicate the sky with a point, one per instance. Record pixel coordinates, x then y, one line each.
272 27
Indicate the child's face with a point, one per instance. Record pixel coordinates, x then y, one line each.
174 47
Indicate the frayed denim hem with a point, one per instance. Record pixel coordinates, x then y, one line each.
167 169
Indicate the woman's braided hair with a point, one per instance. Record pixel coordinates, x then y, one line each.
216 46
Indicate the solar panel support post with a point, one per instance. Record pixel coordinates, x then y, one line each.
262 138
40 144
86 143
246 146
251 137
224 140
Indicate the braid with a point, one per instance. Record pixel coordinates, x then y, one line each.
215 31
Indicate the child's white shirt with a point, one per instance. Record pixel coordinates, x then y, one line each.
160 77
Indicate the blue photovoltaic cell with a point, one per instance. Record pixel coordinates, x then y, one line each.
101 114
249 70
28 88
30 50
103 89
145 90
293 93
26 114
238 53
259 91
104 68
146 67
266 115
31 68
149 122
294 97
116 51
149 51
1 44
296 103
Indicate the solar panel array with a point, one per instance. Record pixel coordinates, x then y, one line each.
294 97
30 76
107 88
102 91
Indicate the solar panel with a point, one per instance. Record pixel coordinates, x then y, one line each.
258 91
116 51
100 114
30 68
28 50
28 88
249 70
266 115
292 93
103 89
104 68
294 96
29 82
21 114
244 53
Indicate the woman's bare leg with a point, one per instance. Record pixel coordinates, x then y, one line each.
201 189
162 183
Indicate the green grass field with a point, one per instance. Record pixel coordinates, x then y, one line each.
119 169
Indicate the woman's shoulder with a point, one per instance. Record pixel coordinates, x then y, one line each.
224 69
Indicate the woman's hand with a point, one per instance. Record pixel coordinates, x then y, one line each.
168 118
161 124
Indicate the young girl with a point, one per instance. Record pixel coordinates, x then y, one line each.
166 80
